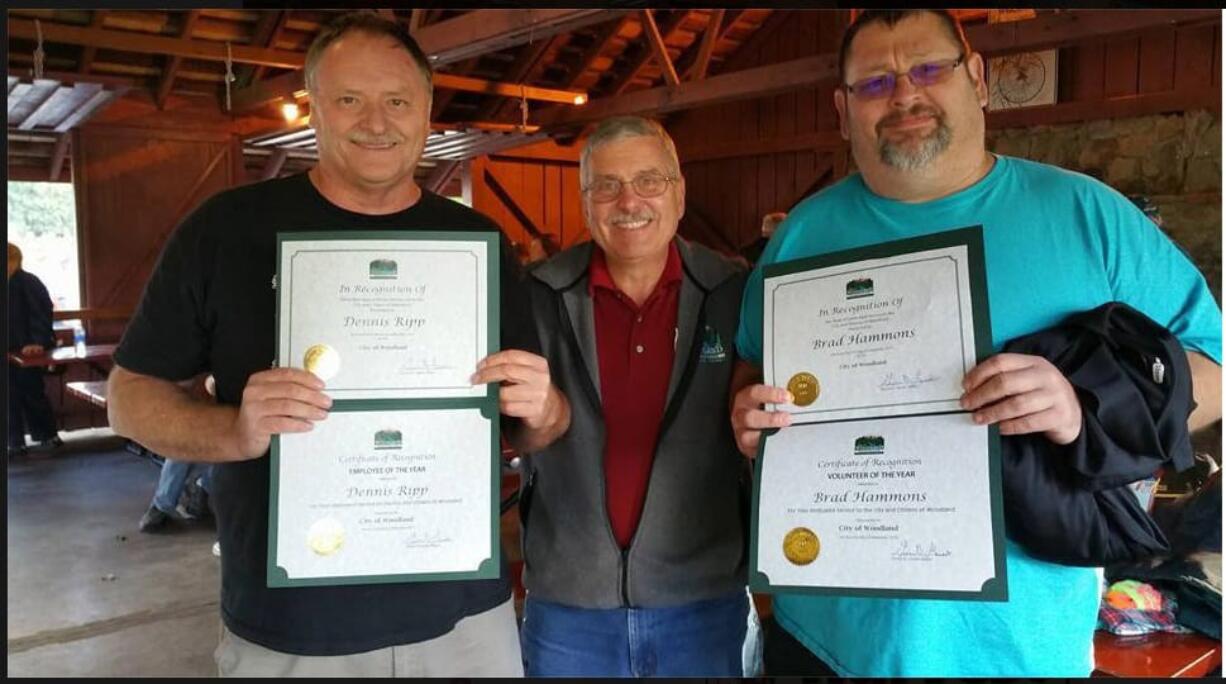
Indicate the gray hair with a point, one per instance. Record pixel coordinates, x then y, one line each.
370 24
619 127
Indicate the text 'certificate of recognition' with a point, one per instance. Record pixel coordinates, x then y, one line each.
385 496
386 318
882 485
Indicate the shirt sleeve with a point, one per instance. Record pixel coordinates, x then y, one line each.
168 336
1148 271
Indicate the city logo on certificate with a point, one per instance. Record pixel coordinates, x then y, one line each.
859 288
384 269
870 444
388 439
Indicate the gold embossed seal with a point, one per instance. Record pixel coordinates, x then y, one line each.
322 360
326 536
804 388
801 546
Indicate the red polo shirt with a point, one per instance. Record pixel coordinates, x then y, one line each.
635 345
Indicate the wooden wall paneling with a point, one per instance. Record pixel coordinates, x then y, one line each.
531 196
1194 65
1156 61
1215 64
553 199
1089 72
1121 56
574 228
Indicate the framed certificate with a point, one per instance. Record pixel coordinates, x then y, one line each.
882 485
400 482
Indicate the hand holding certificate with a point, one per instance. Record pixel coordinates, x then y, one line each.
881 484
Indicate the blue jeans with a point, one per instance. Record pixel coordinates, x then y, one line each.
700 639
175 476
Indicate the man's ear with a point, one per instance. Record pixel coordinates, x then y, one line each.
974 65
840 105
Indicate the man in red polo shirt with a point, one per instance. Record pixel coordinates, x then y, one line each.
634 520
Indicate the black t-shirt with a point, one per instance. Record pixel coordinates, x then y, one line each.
210 306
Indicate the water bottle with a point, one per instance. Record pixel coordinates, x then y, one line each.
78 340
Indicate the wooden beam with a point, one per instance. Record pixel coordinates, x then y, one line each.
130 41
1071 26
706 46
292 85
484 31
59 154
87 56
658 49
168 78
415 17
1115 108
761 81
468 35
274 164
441 175
596 49
444 98
687 62
808 142
509 202
632 72
268 38
70 78
523 70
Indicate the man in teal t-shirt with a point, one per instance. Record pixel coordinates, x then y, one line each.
1056 243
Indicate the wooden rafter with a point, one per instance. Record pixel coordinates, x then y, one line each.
598 46
441 175
644 57
524 69
443 96
706 46
761 81
172 66
59 154
658 49
266 33
415 19
87 56
491 180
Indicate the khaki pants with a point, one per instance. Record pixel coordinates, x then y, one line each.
481 645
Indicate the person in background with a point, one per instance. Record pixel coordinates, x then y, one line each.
29 335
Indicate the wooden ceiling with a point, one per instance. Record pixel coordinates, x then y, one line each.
492 67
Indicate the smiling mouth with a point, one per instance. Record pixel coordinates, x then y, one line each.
375 146
631 225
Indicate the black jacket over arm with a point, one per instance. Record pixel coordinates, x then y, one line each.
1070 504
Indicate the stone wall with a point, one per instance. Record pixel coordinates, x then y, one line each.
1175 160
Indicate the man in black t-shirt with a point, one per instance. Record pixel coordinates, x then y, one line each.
210 306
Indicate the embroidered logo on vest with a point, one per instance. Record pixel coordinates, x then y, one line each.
713 350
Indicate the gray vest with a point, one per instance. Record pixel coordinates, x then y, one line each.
691 539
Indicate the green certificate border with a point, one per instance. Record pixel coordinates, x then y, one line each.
488 405
993 589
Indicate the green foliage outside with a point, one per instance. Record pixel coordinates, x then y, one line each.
42 221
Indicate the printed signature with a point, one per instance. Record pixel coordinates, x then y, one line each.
917 551
905 381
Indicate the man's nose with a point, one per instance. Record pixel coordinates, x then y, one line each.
905 92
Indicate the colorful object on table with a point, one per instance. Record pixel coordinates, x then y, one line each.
1131 607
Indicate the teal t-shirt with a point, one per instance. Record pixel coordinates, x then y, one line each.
1055 243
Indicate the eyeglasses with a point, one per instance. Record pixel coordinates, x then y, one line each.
925 74
645 185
